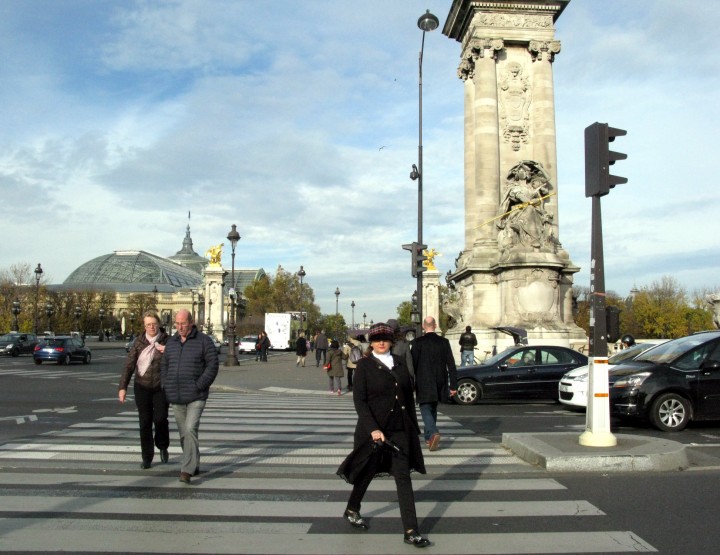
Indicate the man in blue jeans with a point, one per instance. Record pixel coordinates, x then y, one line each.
188 368
435 377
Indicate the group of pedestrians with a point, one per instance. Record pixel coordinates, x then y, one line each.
173 370
386 380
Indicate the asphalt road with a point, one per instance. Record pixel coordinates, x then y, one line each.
671 512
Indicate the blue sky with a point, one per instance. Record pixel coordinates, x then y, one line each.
119 116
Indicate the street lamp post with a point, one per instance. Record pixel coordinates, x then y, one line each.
16 311
427 22
301 275
352 305
337 326
38 273
49 311
78 313
364 316
231 359
101 312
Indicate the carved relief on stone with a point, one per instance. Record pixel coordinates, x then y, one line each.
536 296
477 48
714 301
515 97
544 50
523 223
454 306
515 21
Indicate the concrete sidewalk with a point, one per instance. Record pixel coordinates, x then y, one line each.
553 451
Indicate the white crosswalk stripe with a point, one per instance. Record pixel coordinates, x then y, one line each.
46 372
268 486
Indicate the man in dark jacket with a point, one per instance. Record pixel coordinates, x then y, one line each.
321 347
435 377
188 369
468 342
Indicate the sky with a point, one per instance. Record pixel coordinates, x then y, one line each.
298 122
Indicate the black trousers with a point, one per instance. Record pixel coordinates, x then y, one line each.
403 483
152 410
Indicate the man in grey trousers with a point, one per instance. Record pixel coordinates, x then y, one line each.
188 368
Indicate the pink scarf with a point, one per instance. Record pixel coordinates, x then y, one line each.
147 354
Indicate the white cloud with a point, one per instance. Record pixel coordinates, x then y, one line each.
120 118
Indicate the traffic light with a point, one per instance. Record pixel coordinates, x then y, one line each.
612 323
416 251
599 158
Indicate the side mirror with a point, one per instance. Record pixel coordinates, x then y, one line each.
710 364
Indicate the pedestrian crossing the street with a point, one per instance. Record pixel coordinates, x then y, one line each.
268 485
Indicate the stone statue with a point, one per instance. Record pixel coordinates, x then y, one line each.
514 103
215 254
453 306
523 222
430 254
714 301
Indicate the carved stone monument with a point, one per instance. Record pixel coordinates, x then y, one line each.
214 294
513 270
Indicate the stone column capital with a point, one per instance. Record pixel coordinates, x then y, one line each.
543 50
475 49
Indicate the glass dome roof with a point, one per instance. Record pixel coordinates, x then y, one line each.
138 268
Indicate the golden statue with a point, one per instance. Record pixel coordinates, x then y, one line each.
215 254
431 254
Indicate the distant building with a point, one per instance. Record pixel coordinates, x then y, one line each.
177 281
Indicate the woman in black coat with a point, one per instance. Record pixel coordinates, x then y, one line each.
387 432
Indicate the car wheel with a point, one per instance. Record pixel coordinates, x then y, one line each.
37 361
671 412
468 392
86 359
15 352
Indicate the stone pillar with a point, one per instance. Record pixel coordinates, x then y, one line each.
214 301
431 294
513 270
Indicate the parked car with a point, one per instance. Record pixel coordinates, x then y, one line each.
518 372
672 384
573 386
62 350
247 344
15 343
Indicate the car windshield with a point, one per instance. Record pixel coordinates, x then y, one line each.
249 338
630 352
667 352
10 337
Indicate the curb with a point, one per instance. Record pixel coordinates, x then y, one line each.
561 452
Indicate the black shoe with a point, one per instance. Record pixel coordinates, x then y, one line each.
197 471
145 465
164 455
413 537
354 518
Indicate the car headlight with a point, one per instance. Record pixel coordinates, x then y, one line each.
634 380
581 378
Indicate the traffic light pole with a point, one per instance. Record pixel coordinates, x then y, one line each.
598 182
597 417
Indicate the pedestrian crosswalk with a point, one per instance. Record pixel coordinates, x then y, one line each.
268 486
48 372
